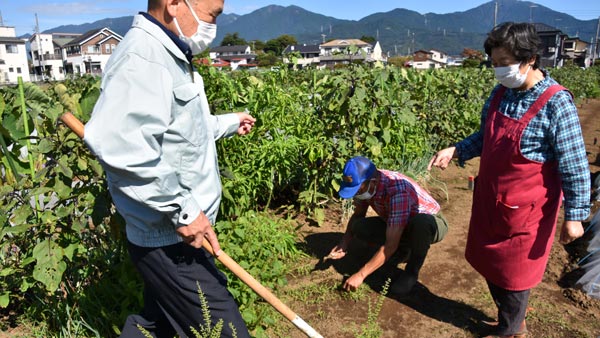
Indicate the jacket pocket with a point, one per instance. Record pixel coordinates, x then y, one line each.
187 117
511 220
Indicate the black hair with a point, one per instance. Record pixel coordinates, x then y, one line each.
521 39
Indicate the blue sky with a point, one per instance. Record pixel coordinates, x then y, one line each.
52 13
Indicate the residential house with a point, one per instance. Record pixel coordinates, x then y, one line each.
576 50
340 52
431 59
90 52
13 57
377 54
48 54
237 56
551 54
219 64
455 61
308 55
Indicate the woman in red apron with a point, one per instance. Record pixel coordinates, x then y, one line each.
531 151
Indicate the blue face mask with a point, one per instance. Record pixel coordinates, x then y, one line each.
205 34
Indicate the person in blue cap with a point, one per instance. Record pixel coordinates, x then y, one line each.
407 222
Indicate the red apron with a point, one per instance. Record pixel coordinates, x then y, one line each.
515 203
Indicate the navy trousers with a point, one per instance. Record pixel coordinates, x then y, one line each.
172 277
512 308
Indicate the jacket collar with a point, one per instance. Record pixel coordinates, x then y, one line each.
171 41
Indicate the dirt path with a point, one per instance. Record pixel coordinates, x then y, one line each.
451 298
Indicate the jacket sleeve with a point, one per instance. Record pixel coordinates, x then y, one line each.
225 125
126 130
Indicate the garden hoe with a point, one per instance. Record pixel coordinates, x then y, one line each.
77 127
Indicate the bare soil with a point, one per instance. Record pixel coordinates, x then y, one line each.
451 298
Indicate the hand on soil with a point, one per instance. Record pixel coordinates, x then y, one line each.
336 253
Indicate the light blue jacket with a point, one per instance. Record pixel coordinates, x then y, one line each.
154 135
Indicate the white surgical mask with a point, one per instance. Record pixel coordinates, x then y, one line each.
510 76
367 195
205 34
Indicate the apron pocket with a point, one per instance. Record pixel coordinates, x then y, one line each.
511 220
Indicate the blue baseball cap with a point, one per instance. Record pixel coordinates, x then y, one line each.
357 170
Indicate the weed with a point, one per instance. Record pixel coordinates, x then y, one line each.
313 293
360 294
371 328
347 210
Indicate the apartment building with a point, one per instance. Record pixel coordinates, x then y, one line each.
13 57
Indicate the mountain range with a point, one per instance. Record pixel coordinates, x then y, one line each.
399 31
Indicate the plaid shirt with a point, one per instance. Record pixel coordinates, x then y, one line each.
398 198
554 134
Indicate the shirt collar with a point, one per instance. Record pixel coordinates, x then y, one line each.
187 51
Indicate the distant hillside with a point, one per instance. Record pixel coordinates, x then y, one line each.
118 25
272 21
399 31
121 25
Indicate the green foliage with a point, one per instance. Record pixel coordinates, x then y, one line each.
257 46
233 39
311 122
63 260
368 39
56 233
256 241
267 59
278 44
583 83
471 63
398 61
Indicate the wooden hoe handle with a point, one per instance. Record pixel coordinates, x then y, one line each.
77 127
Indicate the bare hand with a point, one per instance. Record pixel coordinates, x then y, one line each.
195 233
337 252
352 283
571 230
442 158
246 123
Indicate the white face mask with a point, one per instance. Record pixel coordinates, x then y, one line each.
510 76
367 195
204 35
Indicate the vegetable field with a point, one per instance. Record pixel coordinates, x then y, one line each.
63 263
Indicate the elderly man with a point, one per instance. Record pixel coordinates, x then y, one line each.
408 222
155 137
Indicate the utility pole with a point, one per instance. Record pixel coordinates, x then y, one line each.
1 20
495 13
39 45
595 49
531 13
